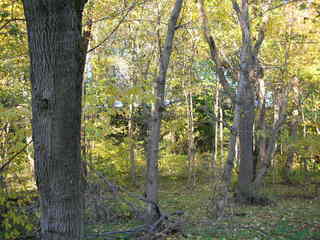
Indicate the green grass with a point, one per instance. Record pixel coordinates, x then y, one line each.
295 216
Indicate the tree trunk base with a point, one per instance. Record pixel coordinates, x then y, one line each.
253 199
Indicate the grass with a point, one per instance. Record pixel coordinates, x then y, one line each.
295 215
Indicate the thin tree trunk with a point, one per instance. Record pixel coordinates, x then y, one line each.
232 147
156 115
57 63
221 131
215 131
260 127
132 154
224 188
191 146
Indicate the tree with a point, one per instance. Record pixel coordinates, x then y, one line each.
56 51
156 115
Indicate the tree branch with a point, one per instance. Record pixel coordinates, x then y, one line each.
6 164
115 29
11 20
214 53
261 34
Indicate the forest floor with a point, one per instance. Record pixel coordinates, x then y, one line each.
295 214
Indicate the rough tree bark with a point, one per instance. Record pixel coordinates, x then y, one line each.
246 103
156 115
57 62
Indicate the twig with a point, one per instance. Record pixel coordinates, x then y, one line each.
115 29
11 20
215 119
14 156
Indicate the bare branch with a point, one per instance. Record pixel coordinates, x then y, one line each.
9 21
213 118
236 8
284 3
117 14
114 29
214 53
261 34
6 164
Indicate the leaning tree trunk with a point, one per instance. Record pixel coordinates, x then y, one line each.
156 115
57 62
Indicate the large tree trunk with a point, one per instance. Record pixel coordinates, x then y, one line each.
250 71
245 93
246 107
57 61
156 115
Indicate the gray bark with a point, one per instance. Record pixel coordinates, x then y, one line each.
156 115
57 62
249 72
246 103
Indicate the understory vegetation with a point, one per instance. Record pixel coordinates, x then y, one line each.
115 211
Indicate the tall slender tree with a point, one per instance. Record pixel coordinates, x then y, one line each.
57 53
156 116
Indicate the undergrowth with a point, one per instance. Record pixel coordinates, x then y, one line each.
294 216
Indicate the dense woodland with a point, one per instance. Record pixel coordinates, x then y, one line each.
159 119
